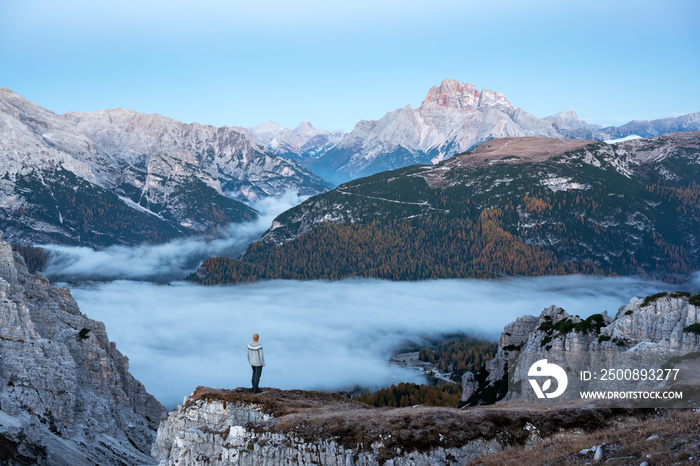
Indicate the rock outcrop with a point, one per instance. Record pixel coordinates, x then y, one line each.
295 427
66 394
660 324
469 385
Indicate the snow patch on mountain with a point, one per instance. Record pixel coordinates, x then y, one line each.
562 183
631 137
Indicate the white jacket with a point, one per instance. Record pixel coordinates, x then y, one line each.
255 354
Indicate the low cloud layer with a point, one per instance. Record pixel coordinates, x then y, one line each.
318 335
695 282
163 262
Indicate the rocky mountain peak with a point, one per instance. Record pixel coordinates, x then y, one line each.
568 114
265 132
304 126
462 96
12 98
567 119
452 94
453 118
304 141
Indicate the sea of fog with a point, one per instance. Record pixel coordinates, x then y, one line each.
318 334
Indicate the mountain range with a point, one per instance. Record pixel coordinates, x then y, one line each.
511 206
121 177
301 143
79 178
453 118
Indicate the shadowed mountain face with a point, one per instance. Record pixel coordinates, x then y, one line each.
120 177
453 118
512 206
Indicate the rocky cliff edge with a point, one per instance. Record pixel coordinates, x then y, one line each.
66 394
295 427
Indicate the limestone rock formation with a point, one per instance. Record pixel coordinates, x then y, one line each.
235 427
296 427
245 170
657 324
66 394
469 385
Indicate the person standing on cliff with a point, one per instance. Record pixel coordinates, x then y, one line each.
256 360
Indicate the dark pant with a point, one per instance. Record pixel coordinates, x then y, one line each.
257 372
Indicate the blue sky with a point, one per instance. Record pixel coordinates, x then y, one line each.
335 63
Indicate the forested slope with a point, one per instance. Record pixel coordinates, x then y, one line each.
513 206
